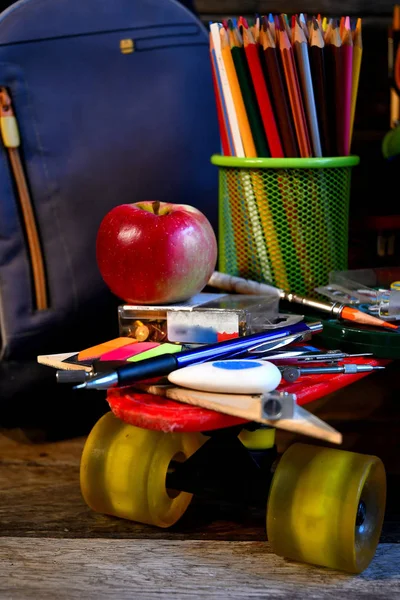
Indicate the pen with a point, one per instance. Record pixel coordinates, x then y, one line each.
164 364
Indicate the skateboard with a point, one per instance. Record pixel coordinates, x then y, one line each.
151 453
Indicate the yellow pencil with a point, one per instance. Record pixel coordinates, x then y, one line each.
243 121
253 184
357 56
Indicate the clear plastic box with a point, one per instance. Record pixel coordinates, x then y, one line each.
204 319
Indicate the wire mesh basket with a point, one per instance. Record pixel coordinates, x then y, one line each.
284 221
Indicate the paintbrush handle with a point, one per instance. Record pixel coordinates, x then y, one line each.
333 308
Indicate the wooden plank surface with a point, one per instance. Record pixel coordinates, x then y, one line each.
149 569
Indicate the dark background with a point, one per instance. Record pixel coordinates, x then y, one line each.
374 213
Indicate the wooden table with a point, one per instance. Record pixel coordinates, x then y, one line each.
53 545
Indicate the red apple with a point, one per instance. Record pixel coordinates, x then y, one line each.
154 252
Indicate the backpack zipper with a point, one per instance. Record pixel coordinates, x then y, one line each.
11 141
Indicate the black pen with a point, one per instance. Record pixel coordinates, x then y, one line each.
163 364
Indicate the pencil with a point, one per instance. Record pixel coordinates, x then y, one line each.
243 122
347 84
327 28
248 92
271 22
246 184
220 99
357 56
303 65
294 94
396 46
394 97
303 25
282 204
226 150
342 27
263 99
333 64
273 74
317 64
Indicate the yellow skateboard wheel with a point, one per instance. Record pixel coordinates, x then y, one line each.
326 507
123 471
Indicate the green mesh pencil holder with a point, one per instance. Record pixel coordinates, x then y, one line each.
284 220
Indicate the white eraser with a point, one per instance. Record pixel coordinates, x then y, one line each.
230 376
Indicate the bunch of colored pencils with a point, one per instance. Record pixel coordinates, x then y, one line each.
286 87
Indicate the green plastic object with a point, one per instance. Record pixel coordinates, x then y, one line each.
358 339
284 220
391 143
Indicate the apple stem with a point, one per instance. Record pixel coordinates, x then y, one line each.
156 207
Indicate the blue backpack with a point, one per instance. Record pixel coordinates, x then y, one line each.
114 104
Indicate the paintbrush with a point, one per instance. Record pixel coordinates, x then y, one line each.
337 310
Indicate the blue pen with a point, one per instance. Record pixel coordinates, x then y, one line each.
164 364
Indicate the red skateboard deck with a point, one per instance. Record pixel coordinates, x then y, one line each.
149 411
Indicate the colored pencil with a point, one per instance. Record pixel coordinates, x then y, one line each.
317 64
333 65
244 125
228 140
295 99
396 42
264 103
226 150
249 96
357 56
240 152
303 25
347 84
289 226
280 102
271 23
303 65
342 27
392 42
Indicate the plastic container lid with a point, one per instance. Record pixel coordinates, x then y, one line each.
358 339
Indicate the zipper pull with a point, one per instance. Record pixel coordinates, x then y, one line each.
8 122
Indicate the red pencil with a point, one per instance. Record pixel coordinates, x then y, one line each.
263 99
273 74
221 121
295 98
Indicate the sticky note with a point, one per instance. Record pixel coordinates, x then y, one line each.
128 351
100 349
165 348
